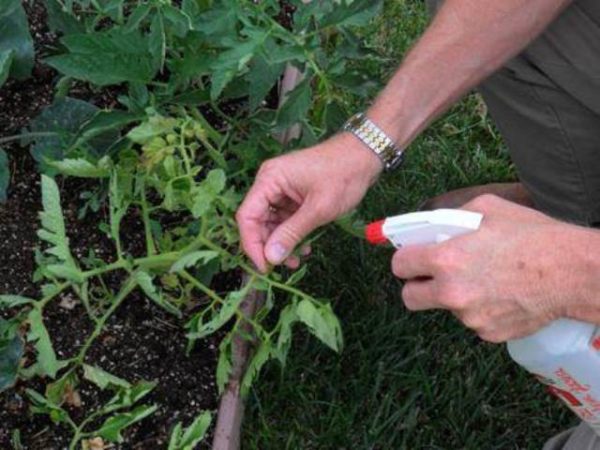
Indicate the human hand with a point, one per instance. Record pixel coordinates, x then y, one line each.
295 193
518 272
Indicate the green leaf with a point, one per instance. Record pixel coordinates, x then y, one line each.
352 12
208 191
259 359
231 62
144 280
4 175
156 125
15 37
60 21
11 352
224 364
297 275
10 301
69 123
42 405
137 17
39 335
226 312
55 392
53 222
262 77
296 106
128 397
322 322
193 435
113 426
105 58
193 258
103 379
157 42
66 272
82 168
287 317
6 59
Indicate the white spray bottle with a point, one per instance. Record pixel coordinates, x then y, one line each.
565 354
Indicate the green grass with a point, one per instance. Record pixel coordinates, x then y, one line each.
405 380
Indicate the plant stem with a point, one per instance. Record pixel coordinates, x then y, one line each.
28 135
128 286
150 247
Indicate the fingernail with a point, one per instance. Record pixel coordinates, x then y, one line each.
276 253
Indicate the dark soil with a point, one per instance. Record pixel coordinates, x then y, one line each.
140 341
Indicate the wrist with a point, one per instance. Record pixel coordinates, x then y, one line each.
581 280
345 148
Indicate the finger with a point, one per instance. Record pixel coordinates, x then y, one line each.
306 250
252 218
420 294
292 262
413 262
286 236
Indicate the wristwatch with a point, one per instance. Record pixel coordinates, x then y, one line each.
373 137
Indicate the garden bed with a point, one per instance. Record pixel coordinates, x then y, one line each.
141 341
132 131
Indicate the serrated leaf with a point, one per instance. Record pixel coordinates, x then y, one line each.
113 426
193 258
224 364
15 37
4 175
352 12
66 272
10 301
56 391
53 223
258 360
230 63
227 310
60 21
128 397
11 352
287 318
103 379
262 77
67 121
42 405
296 106
297 275
38 334
193 435
321 322
144 280
82 168
105 58
6 59
208 191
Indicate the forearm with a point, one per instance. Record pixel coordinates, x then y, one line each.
467 41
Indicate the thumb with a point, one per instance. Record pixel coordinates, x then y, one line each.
289 233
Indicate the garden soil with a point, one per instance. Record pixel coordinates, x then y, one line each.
140 342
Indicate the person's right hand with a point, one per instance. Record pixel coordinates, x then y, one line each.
295 193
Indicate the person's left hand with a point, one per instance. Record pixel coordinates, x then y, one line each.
519 271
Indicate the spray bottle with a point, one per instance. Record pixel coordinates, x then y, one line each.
565 355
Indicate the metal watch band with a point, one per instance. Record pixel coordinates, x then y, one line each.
374 138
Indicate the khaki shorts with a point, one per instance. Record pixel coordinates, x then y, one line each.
546 103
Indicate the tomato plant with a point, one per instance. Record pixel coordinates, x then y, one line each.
199 112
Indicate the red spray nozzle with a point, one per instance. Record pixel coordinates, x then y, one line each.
374 233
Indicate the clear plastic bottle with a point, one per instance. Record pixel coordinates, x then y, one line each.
565 355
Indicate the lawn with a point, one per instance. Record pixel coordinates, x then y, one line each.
404 380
